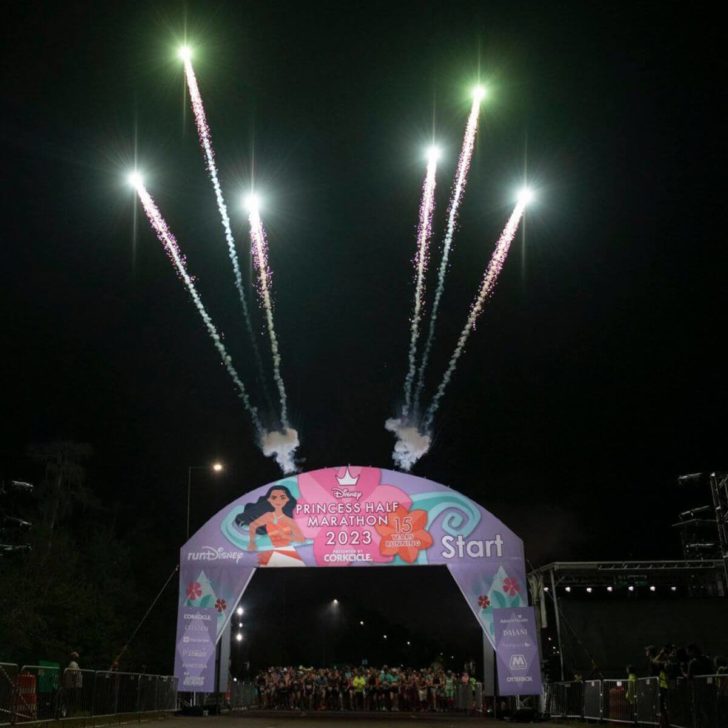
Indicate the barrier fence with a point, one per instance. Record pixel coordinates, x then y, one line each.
41 692
698 703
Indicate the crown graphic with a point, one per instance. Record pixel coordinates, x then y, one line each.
347 478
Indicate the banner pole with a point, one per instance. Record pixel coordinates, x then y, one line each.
488 667
494 660
558 624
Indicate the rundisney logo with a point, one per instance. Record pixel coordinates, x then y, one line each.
346 493
209 553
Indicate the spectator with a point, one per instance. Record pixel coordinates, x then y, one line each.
631 695
660 667
698 663
674 664
72 684
652 666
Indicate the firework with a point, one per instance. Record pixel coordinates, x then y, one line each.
490 278
424 233
259 243
205 137
172 249
461 178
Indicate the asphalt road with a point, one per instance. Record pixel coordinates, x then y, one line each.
294 721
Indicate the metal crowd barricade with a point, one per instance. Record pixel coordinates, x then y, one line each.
106 696
648 701
478 697
86 693
701 702
147 695
710 701
243 695
128 692
8 677
680 703
45 692
166 693
616 708
469 697
556 699
593 700
575 699
37 690
49 691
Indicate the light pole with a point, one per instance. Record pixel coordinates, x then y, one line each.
216 467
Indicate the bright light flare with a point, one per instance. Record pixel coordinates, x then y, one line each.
218 467
184 53
479 93
433 154
251 202
239 637
135 179
525 195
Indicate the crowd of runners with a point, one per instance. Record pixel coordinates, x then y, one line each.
364 689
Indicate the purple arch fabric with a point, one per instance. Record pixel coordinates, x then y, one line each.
344 517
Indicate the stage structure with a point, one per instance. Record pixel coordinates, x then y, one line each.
581 606
354 517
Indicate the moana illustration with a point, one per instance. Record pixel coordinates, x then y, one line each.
272 515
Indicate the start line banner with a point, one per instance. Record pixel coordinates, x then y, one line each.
350 517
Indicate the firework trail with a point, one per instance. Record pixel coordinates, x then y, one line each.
259 243
424 233
205 136
172 249
490 278
461 178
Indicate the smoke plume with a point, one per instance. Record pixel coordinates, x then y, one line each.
411 444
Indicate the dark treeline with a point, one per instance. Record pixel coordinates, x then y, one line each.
91 574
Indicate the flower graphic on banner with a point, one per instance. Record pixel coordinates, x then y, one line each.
333 490
510 586
220 605
200 592
404 534
483 601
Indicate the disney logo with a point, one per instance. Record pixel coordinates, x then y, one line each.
346 493
209 553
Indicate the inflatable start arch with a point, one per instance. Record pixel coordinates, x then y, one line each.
355 517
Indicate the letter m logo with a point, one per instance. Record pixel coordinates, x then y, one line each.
518 662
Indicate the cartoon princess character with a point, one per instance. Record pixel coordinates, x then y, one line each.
272 514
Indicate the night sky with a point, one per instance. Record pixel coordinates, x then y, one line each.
595 376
